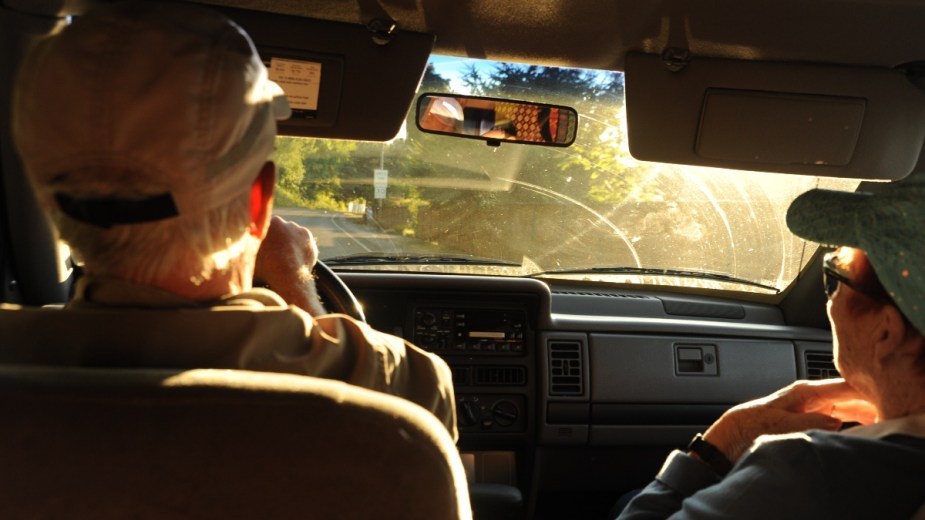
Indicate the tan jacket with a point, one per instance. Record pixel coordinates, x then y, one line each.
114 323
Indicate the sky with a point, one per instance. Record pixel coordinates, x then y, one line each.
453 67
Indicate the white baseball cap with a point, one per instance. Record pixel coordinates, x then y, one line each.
138 112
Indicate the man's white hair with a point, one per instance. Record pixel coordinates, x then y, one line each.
194 246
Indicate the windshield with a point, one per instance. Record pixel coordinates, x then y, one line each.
433 203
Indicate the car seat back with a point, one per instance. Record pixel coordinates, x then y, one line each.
137 443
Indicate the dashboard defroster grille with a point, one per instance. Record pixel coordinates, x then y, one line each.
499 376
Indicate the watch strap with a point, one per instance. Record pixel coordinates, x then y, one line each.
710 455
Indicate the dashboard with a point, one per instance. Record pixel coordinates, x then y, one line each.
577 390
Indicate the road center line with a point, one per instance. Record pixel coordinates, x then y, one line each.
349 235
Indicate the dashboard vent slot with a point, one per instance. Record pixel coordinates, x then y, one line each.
605 295
819 364
499 376
460 376
565 368
704 310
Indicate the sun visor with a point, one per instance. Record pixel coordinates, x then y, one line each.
859 122
343 81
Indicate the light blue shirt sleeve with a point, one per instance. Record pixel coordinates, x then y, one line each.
782 480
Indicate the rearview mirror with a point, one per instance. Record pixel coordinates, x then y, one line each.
495 120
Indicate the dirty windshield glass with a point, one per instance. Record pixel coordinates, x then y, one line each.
439 204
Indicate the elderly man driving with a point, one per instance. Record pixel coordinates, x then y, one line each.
146 130
783 456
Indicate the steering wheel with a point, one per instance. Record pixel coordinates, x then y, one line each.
335 294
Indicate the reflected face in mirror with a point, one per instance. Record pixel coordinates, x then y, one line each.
442 114
493 119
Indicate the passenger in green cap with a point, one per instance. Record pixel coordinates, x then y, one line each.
783 456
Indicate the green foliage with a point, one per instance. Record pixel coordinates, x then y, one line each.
285 197
324 200
613 174
314 170
290 167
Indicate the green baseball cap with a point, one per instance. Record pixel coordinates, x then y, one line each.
888 225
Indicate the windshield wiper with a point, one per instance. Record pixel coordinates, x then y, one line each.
659 272
397 259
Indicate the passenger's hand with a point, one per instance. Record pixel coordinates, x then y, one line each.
804 405
285 261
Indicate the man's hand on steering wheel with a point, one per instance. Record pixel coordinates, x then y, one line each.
288 262
285 262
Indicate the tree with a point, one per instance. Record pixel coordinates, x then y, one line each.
290 171
433 82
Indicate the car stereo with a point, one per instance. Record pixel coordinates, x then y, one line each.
470 331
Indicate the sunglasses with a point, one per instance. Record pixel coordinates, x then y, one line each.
831 277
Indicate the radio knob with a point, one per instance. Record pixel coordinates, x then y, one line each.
505 413
428 318
468 413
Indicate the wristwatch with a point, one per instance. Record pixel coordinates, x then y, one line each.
710 454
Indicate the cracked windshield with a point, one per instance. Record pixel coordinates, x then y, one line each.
440 204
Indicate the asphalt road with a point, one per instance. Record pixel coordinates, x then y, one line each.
339 234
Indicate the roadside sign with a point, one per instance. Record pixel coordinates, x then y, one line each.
380 182
380 177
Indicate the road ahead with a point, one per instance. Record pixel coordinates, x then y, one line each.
341 234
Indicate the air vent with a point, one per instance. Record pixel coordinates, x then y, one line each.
565 368
819 364
603 294
727 311
499 376
460 376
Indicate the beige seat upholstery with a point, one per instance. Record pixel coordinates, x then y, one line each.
132 443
